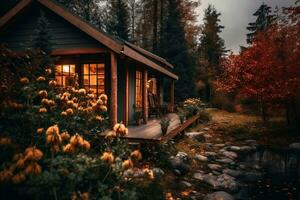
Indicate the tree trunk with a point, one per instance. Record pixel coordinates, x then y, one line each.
155 20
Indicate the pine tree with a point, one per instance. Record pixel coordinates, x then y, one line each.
118 19
264 19
211 49
175 49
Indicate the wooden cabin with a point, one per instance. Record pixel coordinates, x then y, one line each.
103 64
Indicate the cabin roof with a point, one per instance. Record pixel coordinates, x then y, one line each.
117 45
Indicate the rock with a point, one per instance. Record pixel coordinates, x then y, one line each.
216 172
230 154
201 158
246 148
207 136
225 160
295 146
177 172
196 136
220 145
185 184
134 173
251 176
234 148
198 176
251 141
157 172
215 167
231 172
219 195
206 128
177 163
225 181
182 155
212 154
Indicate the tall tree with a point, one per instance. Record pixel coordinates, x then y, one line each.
264 19
175 49
211 49
118 19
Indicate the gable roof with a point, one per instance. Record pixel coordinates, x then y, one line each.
121 47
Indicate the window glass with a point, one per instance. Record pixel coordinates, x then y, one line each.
138 89
65 75
94 78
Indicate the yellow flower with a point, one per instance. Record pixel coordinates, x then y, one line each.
43 110
86 145
18 178
32 153
51 103
103 108
70 111
24 80
40 131
127 164
5 175
65 96
99 118
65 135
41 78
43 93
103 97
69 148
70 103
136 155
44 102
52 130
52 83
107 157
33 168
120 129
76 140
63 114
82 91
48 71
110 135
6 141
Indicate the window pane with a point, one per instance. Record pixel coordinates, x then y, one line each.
58 69
86 80
72 69
93 80
138 89
65 74
93 68
85 69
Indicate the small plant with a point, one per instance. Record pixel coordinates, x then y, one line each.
192 106
164 124
137 117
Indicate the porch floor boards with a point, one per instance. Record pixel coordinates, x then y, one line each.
152 129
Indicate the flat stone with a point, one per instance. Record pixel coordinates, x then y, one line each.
208 153
234 148
157 172
225 160
215 167
199 176
196 136
216 173
246 148
201 158
220 145
182 155
206 128
186 184
207 136
231 172
295 146
218 196
230 154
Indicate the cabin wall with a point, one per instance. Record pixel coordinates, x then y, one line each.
131 89
21 32
121 89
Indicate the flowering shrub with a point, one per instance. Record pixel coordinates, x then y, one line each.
64 157
192 106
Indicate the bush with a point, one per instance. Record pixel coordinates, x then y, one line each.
223 102
192 106
204 116
48 149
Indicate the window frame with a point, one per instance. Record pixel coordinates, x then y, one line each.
138 96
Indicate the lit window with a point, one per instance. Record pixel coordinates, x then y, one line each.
65 75
94 78
152 86
138 89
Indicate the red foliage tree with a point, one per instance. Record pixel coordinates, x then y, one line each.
269 70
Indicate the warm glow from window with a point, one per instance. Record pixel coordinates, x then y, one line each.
138 89
65 75
152 86
94 78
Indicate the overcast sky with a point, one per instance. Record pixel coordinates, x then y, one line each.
236 14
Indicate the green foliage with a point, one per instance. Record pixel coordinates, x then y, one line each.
118 19
175 49
192 106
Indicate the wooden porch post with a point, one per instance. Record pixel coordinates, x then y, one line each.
145 97
113 90
126 110
172 97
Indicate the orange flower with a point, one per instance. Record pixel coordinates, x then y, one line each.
40 131
136 155
86 145
63 114
103 97
82 91
52 130
52 83
33 168
110 135
127 164
99 118
44 102
24 80
103 108
69 148
69 111
6 141
43 93
33 154
65 135
18 178
48 71
85 196
41 78
5 175
76 140
107 157
43 110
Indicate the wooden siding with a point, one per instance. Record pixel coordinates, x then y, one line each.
121 89
20 34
